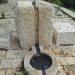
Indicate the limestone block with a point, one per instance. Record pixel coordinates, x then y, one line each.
2 54
4 39
17 63
45 23
10 72
25 23
11 63
6 63
0 15
64 33
7 10
14 54
61 60
7 24
2 72
4 43
60 71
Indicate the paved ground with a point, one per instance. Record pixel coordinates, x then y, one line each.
10 60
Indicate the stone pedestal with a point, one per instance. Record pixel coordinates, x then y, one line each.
32 71
27 18
25 23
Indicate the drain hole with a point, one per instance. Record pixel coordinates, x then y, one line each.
43 60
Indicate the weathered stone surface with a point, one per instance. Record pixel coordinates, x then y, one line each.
61 61
2 54
7 24
7 10
14 54
5 43
14 41
10 72
64 33
6 63
45 23
25 23
11 63
6 27
65 60
60 71
17 63
2 72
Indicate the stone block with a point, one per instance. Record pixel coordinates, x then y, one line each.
14 54
45 23
27 19
6 27
6 63
10 72
2 54
25 23
64 34
61 60
5 40
2 72
7 10
7 24
11 63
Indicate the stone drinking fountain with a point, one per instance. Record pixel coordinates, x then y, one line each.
34 28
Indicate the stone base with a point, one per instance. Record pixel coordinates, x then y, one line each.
50 71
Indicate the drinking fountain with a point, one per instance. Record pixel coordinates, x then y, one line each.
37 61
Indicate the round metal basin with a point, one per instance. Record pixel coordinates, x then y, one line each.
42 61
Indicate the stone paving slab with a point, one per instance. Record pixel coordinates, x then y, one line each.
7 24
64 34
14 54
2 54
7 10
45 23
6 27
5 43
2 72
11 59
11 63
10 72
